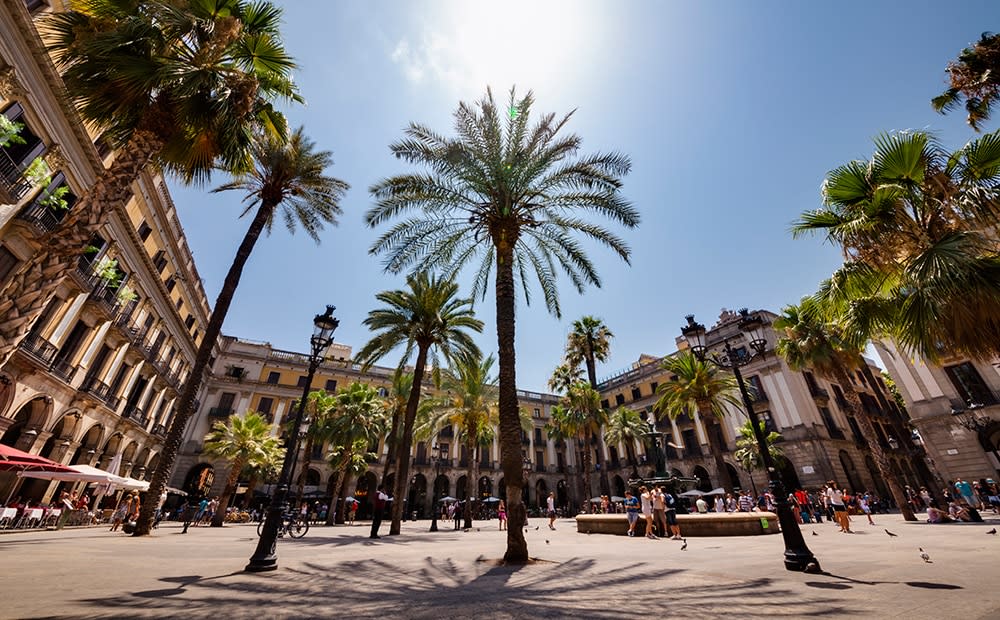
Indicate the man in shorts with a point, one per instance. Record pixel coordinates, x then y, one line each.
671 504
550 505
660 511
631 511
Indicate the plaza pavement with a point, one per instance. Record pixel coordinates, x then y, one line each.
339 573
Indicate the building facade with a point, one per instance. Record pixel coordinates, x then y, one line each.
99 371
955 408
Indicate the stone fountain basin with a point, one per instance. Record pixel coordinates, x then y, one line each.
694 525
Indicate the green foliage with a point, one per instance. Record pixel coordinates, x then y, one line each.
242 439
38 173
589 340
624 425
470 402
55 199
10 132
107 270
126 294
893 389
974 78
748 449
698 386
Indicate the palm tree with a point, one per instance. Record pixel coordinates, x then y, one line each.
564 376
589 343
624 427
469 403
186 87
428 317
579 417
241 439
359 421
811 342
748 450
699 386
399 395
288 180
319 409
265 468
974 77
916 227
515 197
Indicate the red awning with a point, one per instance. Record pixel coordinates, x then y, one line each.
12 459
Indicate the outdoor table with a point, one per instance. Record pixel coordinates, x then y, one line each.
29 516
7 517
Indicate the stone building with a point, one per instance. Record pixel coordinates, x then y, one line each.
954 406
99 371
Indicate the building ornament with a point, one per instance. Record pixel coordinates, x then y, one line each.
10 86
56 158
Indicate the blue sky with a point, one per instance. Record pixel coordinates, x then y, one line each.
732 113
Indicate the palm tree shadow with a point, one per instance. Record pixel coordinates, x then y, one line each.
384 588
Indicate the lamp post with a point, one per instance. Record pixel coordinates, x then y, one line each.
265 557
526 494
971 420
436 455
798 557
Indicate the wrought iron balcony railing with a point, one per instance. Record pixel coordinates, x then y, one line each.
38 348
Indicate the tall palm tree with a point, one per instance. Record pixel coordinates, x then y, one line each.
288 180
359 421
588 343
515 198
579 417
974 77
564 376
470 404
319 409
265 468
624 427
184 86
699 386
241 439
916 224
811 342
748 449
429 317
399 395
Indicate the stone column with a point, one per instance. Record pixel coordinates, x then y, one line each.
95 344
67 320
116 362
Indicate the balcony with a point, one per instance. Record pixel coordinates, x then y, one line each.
41 218
105 298
220 412
160 430
96 388
818 393
38 349
136 415
13 185
64 370
84 275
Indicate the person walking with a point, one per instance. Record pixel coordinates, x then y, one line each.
646 499
353 512
202 508
550 506
381 499
671 503
965 490
864 504
660 511
631 511
121 513
502 515
836 498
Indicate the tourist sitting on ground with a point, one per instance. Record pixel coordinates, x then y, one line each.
936 515
959 512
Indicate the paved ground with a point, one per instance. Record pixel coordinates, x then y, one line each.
338 572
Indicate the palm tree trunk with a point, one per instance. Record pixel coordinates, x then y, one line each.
510 420
605 479
588 466
234 474
340 496
720 464
251 487
878 455
306 462
31 287
391 442
185 404
406 441
331 510
471 477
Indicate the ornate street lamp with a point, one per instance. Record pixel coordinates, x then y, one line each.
798 557
525 493
265 557
971 420
436 455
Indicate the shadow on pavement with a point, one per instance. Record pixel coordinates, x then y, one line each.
440 587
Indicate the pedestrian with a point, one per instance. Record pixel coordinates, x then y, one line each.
550 505
646 500
836 498
121 513
660 511
965 490
746 502
864 503
502 515
720 504
671 503
380 501
731 505
631 511
202 509
352 512
457 515
211 508
67 503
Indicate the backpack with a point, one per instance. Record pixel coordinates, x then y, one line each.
669 497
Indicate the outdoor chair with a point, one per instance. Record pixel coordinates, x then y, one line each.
7 518
51 517
30 518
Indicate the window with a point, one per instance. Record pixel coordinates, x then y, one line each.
34 5
144 230
539 460
605 404
838 395
179 303
538 436
302 381
856 430
160 260
757 389
619 399
969 384
653 386
636 393
170 284
537 413
103 147
237 371
273 377
226 400
264 406
7 262
831 426
21 154
188 321
691 445
331 385
194 336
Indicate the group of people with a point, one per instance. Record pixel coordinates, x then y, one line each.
659 509
963 499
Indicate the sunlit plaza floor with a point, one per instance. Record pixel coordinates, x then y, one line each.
339 572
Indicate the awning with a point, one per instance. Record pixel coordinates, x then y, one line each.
78 473
12 459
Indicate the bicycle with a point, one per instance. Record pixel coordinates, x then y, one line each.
292 524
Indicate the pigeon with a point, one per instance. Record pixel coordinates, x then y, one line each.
546 541
814 533
685 545
924 555
477 529
536 528
891 534
993 531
